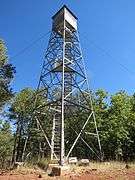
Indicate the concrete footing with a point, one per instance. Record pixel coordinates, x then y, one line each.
57 170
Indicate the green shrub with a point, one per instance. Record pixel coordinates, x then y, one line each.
43 163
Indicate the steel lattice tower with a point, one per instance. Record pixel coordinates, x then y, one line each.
63 82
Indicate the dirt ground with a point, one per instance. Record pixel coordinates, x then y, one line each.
95 171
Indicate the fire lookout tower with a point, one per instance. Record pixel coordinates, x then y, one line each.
64 84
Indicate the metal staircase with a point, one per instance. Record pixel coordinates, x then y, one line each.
55 142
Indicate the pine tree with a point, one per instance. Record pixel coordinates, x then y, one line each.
7 72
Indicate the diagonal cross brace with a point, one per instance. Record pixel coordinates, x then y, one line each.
45 136
87 145
79 134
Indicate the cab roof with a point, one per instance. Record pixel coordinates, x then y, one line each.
62 9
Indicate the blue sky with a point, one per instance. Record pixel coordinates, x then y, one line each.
107 33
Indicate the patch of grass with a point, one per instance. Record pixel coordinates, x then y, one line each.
43 163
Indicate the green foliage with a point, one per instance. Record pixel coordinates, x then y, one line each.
114 120
28 132
43 163
22 104
6 144
7 72
6 75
